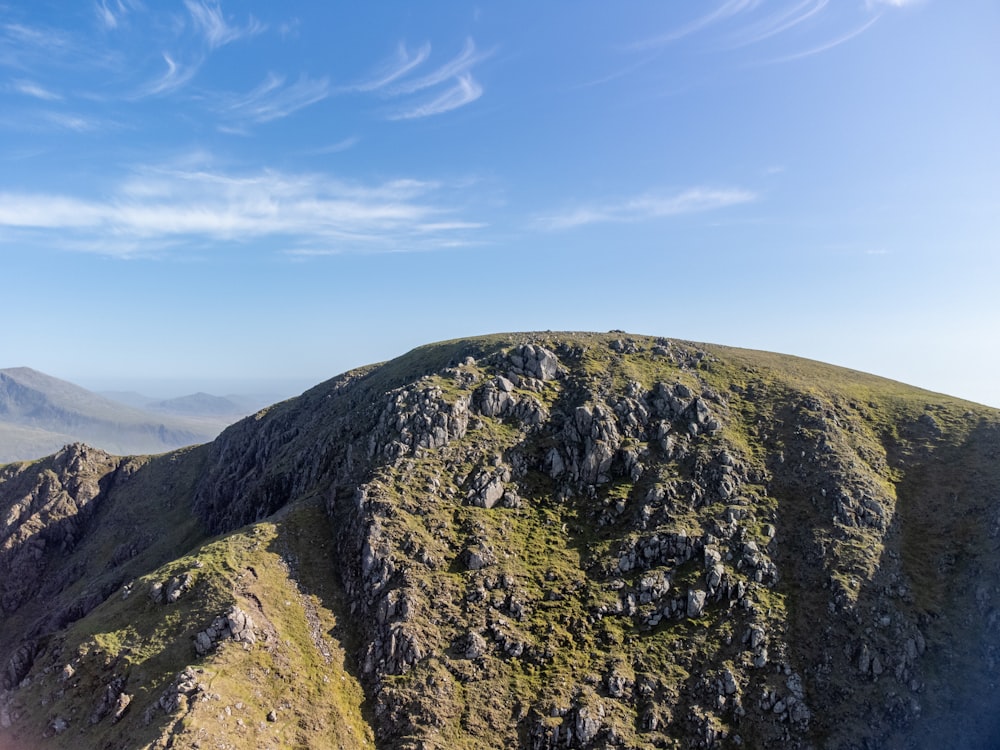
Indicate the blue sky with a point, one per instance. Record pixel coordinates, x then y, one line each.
226 194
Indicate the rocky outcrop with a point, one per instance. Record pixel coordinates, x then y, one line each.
45 511
235 625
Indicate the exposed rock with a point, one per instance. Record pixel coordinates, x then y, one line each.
534 362
475 646
235 625
495 398
729 683
695 602
20 664
178 695
112 698
488 487
121 706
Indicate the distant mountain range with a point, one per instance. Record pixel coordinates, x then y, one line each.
39 414
194 405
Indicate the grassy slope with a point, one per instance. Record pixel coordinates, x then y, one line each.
279 573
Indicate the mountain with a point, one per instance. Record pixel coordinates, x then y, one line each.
39 414
525 540
195 404
201 404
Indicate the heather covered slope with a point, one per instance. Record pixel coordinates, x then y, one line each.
529 540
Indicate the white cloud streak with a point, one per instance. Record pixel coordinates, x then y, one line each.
781 22
73 122
25 47
39 38
465 91
110 14
208 19
647 207
104 14
273 100
393 81
162 208
396 68
177 76
335 148
32 89
454 68
827 45
726 10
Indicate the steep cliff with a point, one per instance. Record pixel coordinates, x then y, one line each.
529 540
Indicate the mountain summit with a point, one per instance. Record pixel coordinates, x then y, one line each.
524 540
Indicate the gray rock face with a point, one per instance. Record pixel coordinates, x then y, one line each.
488 487
695 602
20 664
112 700
475 646
170 591
235 625
729 684
44 519
495 398
534 362
184 688
477 558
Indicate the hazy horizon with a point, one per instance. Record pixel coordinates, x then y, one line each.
168 388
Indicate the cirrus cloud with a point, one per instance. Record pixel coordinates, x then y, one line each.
648 206
157 209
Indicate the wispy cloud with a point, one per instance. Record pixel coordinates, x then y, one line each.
36 37
209 22
208 19
105 15
76 123
464 91
37 121
779 22
111 12
648 206
30 88
273 100
811 26
163 208
176 76
725 11
395 69
829 44
468 57
336 148
22 47
396 79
